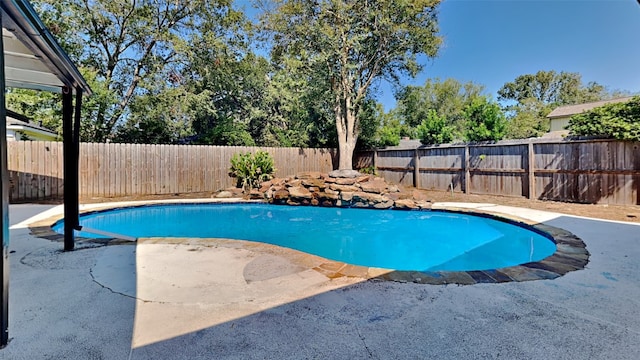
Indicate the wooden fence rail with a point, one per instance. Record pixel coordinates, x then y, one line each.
113 170
595 171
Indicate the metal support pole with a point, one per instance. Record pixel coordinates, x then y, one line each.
4 209
76 159
70 197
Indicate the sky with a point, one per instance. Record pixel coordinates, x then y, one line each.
491 42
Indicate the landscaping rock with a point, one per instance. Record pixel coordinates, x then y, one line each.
345 173
343 188
346 196
318 183
405 204
384 205
224 195
256 194
423 205
361 191
264 187
299 192
346 181
331 191
237 192
327 196
377 186
281 194
368 197
309 175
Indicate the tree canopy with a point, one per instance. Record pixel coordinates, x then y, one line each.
485 121
346 45
612 121
550 87
193 72
531 97
130 46
447 99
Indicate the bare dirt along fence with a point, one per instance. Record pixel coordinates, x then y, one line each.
603 172
115 170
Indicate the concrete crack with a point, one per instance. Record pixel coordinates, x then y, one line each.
364 343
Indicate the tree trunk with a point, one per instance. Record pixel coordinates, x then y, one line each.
347 134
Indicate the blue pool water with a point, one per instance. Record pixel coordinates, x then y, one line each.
401 240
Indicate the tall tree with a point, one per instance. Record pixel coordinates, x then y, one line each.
447 99
129 45
531 97
434 129
485 121
348 44
528 119
550 87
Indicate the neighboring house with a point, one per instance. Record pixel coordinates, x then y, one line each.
19 128
559 117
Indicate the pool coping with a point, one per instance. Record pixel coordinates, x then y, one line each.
570 255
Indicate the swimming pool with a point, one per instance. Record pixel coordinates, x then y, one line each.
400 240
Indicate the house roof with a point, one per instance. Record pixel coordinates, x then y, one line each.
569 110
33 58
20 122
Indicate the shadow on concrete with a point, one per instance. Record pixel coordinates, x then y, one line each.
584 314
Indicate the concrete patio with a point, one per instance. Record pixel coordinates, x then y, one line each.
192 300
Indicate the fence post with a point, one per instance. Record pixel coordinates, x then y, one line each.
531 171
416 169
467 170
374 161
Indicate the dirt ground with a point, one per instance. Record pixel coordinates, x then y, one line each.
630 213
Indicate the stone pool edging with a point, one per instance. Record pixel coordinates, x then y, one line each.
570 255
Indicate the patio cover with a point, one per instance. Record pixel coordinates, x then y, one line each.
34 60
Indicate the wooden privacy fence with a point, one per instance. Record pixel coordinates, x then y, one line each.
113 170
595 171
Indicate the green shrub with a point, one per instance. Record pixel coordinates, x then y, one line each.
435 130
613 121
370 170
485 121
388 136
251 169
